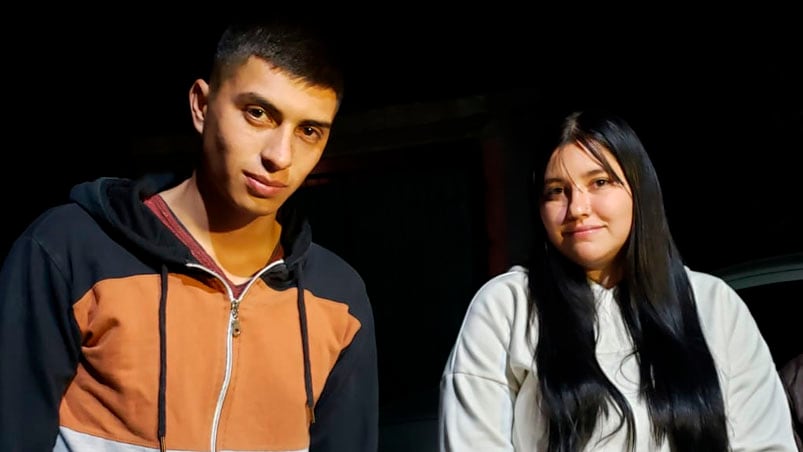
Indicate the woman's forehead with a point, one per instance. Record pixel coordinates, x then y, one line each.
575 160
571 157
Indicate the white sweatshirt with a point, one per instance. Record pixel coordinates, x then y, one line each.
489 390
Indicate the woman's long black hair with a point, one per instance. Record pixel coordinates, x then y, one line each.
678 377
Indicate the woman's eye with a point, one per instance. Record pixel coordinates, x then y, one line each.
601 182
550 192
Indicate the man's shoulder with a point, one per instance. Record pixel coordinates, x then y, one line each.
318 252
325 264
329 276
62 220
57 230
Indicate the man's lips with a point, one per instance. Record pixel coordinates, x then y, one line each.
263 180
264 187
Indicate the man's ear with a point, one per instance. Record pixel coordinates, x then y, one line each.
199 97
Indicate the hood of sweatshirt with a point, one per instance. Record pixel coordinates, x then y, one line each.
117 205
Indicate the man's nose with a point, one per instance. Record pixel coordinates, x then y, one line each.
277 151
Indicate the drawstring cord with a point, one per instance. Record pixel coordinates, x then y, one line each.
162 427
302 316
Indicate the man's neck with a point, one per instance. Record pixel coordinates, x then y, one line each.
240 246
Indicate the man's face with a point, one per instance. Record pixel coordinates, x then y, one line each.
263 132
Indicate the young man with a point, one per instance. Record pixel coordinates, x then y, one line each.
197 314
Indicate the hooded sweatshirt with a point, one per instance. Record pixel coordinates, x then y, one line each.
114 337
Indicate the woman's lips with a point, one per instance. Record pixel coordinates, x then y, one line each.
583 231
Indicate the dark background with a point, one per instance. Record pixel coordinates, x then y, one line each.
422 186
715 95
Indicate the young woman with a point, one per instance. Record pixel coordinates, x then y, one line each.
606 341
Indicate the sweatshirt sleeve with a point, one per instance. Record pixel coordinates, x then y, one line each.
758 413
347 412
478 386
39 345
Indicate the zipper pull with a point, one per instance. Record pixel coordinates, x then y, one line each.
235 318
235 327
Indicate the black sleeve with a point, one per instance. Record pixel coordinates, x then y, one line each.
39 347
347 413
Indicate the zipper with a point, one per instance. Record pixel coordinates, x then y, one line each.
233 331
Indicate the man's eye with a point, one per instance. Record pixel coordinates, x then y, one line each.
310 133
255 112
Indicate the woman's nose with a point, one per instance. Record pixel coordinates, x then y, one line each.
579 203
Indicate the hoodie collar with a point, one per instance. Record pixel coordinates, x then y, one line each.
118 205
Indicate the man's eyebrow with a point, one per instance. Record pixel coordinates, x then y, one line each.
254 98
314 123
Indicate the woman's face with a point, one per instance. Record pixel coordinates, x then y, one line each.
586 213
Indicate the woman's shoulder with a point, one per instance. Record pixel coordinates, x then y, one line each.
512 283
718 304
709 286
496 325
501 297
